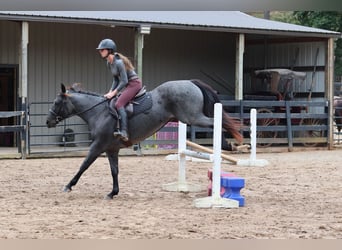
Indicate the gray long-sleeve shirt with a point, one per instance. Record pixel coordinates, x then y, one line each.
121 76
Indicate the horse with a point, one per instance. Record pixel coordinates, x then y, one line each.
338 114
189 101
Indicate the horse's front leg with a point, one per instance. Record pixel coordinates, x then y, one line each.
90 158
114 168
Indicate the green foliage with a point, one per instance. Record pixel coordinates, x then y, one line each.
284 16
329 20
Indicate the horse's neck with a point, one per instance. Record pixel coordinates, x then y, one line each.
86 106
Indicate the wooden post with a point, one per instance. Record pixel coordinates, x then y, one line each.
23 59
23 69
329 89
240 47
139 46
289 126
139 38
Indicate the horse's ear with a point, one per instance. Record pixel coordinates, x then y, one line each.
63 88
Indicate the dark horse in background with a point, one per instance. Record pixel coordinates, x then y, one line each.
189 101
338 115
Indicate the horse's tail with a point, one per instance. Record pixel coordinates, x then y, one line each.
210 96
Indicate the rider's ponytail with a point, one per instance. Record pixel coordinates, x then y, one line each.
127 62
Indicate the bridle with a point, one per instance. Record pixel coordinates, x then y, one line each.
59 118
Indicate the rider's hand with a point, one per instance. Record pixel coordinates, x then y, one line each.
111 94
108 96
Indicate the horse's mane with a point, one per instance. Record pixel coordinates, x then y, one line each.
85 92
76 88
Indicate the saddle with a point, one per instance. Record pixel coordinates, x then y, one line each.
139 104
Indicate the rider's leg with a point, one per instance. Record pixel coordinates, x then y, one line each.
128 94
123 125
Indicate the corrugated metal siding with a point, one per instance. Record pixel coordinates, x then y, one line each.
179 54
65 53
282 55
9 42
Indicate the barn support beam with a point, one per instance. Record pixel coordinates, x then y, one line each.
240 48
23 60
139 46
23 77
329 89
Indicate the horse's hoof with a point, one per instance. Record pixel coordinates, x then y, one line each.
66 189
108 197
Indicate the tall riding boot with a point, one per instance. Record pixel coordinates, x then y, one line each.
123 125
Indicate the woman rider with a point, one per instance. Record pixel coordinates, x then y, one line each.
125 82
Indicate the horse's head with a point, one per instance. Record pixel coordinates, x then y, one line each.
61 109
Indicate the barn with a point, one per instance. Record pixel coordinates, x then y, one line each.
41 49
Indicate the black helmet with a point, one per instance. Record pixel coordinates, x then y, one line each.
107 44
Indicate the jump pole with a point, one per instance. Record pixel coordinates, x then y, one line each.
215 200
253 161
208 150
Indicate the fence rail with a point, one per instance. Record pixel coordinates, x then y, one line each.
277 124
19 128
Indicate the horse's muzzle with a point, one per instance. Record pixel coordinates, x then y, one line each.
50 124
53 119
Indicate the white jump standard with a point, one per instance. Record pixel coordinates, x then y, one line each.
253 161
215 200
182 185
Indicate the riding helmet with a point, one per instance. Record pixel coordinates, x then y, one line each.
107 44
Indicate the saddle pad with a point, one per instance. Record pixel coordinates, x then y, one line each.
141 104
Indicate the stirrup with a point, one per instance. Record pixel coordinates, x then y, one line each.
120 134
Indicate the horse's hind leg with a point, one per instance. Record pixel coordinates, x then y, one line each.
114 167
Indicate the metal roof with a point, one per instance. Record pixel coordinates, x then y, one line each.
229 21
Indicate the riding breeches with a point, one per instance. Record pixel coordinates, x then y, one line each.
129 92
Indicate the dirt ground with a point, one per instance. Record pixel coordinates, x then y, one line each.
298 195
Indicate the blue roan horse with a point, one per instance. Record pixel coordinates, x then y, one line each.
189 101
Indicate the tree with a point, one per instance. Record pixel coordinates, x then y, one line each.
329 20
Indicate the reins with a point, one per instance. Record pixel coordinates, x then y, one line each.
97 104
59 118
